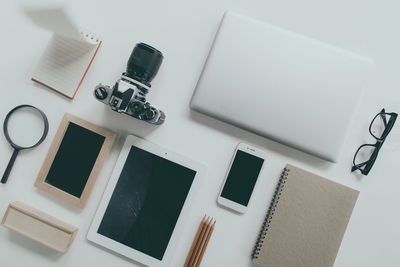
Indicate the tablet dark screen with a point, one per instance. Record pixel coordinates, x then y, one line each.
146 202
75 159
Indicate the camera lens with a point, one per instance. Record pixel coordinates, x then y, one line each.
144 62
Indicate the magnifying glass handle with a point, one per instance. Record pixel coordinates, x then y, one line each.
9 166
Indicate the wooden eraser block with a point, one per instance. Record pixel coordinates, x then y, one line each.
39 226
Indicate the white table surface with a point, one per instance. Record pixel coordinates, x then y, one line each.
183 31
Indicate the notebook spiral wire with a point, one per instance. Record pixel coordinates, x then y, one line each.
270 214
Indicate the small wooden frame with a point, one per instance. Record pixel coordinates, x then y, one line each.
74 160
39 226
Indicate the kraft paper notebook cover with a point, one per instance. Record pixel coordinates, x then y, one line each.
305 222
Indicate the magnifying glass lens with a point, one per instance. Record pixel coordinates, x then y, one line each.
25 127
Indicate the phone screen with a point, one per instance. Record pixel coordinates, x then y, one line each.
242 177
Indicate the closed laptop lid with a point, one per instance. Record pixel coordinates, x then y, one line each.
281 85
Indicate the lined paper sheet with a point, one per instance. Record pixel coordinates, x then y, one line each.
64 64
69 53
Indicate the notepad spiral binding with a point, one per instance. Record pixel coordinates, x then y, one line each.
270 214
89 36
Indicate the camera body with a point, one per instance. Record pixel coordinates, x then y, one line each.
128 95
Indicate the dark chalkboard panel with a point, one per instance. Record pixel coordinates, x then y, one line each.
75 159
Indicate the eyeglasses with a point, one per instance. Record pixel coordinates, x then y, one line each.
379 128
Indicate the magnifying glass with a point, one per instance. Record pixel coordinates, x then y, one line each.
22 122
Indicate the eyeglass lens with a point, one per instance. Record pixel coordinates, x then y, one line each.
364 154
378 126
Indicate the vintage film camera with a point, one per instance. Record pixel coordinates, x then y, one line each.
128 95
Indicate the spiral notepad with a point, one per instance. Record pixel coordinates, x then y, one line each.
305 222
68 55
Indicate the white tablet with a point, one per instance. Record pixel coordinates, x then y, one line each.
146 202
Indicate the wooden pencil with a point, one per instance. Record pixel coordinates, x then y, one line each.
206 243
196 261
195 243
199 242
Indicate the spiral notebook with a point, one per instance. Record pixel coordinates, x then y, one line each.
305 222
69 53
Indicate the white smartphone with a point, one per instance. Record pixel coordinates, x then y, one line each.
241 178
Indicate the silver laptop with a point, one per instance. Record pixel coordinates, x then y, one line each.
281 85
